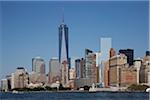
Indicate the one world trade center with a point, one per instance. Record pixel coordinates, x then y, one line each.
63 43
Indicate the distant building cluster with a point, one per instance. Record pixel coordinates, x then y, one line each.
117 72
105 68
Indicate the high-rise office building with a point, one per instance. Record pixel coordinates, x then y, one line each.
87 51
90 67
130 55
137 65
80 67
145 70
38 65
120 74
63 43
105 46
115 64
88 63
112 52
147 53
106 73
54 71
20 78
64 74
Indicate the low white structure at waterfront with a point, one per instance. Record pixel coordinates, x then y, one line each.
4 85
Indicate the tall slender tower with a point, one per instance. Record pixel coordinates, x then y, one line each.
105 46
63 43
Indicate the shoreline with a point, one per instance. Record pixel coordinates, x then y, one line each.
74 91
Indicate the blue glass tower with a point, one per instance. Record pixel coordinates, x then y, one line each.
63 43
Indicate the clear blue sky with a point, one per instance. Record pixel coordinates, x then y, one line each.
30 29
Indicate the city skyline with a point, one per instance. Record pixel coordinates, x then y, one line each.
30 29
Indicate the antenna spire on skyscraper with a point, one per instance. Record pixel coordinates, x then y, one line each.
62 15
63 41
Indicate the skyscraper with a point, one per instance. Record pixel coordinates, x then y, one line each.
54 71
65 73
38 65
78 68
105 46
63 43
20 78
91 70
112 52
130 55
147 53
115 64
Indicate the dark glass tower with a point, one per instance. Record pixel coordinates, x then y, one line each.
63 43
130 55
147 53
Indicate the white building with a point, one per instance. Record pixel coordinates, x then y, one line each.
4 85
137 65
20 78
72 73
105 46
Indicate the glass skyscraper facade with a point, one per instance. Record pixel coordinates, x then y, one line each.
105 46
54 71
38 65
78 68
130 55
63 44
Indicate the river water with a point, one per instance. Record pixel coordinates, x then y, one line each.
75 96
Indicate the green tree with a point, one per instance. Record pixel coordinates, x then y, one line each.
135 87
